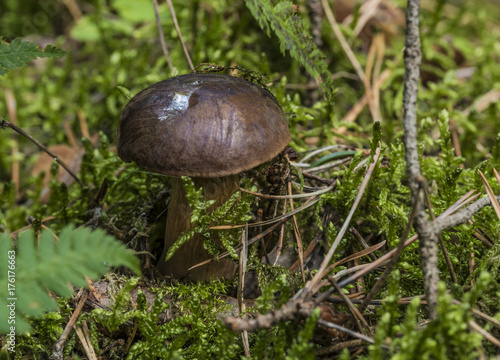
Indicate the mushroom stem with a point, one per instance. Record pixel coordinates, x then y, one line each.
179 220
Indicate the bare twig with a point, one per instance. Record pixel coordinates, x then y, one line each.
463 215
241 287
84 337
425 229
289 311
440 238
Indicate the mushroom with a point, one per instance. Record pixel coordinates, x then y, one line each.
210 127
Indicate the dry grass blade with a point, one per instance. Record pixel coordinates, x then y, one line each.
296 230
347 331
250 242
176 25
311 284
464 200
281 237
302 162
355 256
444 250
453 208
342 40
368 10
290 196
474 326
278 222
308 203
354 311
327 166
491 194
73 9
59 345
483 102
362 242
482 315
162 37
497 176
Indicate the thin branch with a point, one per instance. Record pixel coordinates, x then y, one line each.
440 238
241 287
340 37
4 124
288 311
59 345
463 215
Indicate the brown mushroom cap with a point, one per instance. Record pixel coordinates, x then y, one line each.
202 125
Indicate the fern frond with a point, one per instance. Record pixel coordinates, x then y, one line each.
288 27
52 266
19 53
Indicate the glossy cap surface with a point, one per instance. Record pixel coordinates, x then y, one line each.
202 125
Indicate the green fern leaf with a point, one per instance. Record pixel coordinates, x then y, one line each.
288 27
50 265
19 53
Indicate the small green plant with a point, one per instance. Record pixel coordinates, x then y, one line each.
19 53
233 211
446 337
281 18
34 267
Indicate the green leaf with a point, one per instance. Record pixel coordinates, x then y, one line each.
135 11
36 268
19 53
293 37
